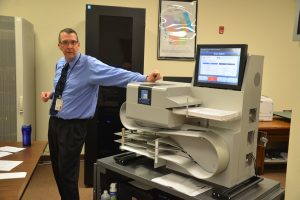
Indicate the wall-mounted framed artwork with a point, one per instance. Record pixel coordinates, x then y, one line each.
296 33
177 27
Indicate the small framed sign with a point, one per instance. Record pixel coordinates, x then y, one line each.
296 33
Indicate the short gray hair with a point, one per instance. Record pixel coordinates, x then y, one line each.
68 31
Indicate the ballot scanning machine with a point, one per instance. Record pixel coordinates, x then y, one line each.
206 129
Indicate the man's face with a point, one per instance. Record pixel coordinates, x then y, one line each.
69 45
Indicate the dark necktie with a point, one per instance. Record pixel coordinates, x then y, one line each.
59 88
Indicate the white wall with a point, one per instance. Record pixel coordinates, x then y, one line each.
266 26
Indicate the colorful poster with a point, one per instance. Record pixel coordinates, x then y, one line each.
177 30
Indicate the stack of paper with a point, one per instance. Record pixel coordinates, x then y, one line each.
12 175
8 165
182 184
11 149
3 153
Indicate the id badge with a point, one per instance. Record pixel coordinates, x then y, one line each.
58 104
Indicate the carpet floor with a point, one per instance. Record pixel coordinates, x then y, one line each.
42 185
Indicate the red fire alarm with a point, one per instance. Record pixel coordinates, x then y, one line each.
221 29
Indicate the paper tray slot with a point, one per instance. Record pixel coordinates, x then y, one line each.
208 113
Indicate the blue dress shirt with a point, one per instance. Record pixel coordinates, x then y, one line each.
85 75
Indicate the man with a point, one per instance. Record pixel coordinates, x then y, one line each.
76 83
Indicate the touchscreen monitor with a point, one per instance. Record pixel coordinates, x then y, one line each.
220 66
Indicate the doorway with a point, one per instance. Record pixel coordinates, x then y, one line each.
114 35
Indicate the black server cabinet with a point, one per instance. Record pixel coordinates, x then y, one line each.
114 35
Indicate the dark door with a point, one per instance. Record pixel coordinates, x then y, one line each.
114 35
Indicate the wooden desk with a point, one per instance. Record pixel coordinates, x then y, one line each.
13 189
276 131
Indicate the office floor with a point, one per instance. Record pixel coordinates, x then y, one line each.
42 185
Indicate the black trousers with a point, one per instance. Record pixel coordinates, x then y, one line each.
66 138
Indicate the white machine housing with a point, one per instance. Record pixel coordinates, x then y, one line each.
216 128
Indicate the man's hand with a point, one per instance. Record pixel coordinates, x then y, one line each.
153 76
45 96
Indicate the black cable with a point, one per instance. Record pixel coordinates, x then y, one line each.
254 164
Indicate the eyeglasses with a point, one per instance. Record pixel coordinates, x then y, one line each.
67 43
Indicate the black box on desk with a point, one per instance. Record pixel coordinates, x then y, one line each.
127 191
130 192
